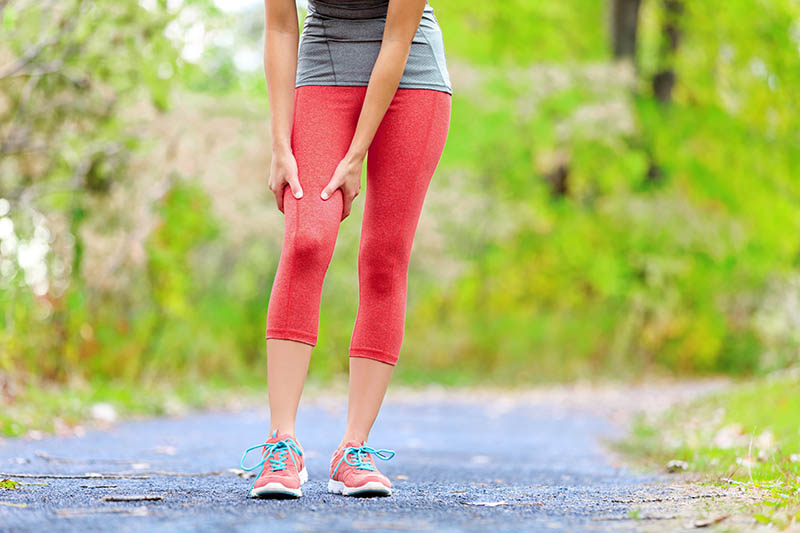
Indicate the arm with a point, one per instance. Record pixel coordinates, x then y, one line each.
402 21
280 66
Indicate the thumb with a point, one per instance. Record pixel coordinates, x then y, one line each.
330 188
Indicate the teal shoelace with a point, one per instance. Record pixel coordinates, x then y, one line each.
275 455
361 457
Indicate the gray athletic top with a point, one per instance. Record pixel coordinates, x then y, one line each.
341 39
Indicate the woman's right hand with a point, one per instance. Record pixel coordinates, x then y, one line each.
282 172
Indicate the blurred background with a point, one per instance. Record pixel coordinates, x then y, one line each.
618 198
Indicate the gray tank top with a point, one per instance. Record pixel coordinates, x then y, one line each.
341 39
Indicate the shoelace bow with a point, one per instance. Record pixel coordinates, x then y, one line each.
274 452
362 459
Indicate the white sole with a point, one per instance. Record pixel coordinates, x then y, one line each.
277 489
372 488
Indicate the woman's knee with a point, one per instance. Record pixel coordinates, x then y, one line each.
310 249
383 266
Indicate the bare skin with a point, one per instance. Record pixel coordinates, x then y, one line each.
368 382
287 366
288 360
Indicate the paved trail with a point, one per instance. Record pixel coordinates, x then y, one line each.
463 465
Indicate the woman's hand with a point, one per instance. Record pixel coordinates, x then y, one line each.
402 20
347 176
282 172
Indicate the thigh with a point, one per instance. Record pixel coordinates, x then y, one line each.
401 162
324 122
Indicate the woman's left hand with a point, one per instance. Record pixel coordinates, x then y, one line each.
347 176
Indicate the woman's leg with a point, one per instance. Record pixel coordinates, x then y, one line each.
400 164
287 366
368 382
324 122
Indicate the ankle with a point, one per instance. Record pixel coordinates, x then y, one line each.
282 430
352 436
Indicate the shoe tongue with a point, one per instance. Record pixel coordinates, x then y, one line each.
353 444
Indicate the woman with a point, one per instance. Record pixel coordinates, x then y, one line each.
368 75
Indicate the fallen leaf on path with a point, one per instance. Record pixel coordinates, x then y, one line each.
35 434
103 413
9 484
765 441
241 473
401 477
730 436
486 504
123 498
677 466
166 450
9 504
706 523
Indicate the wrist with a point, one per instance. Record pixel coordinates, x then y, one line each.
281 148
356 155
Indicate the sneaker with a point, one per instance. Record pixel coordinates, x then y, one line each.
283 469
353 471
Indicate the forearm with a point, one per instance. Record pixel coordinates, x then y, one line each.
383 83
280 67
402 21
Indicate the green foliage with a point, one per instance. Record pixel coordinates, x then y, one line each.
593 229
519 31
744 435
662 250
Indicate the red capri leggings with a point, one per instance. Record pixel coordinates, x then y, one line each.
400 163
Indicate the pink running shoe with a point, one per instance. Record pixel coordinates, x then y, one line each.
353 471
283 469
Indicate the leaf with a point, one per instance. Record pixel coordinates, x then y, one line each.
241 473
709 522
762 519
9 484
677 466
9 504
124 498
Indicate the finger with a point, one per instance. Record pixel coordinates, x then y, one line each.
330 188
279 198
346 206
294 185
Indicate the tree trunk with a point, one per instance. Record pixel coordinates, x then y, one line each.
624 26
664 79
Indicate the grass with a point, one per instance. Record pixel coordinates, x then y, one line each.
48 408
31 407
748 436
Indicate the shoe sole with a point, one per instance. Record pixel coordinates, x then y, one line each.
371 488
278 490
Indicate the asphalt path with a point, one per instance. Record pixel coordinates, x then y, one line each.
465 465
